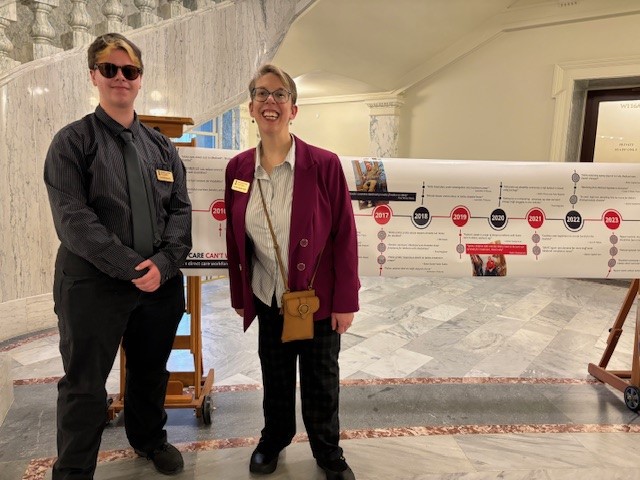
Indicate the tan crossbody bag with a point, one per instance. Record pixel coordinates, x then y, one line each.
297 307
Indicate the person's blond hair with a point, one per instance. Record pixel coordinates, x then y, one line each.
284 77
107 43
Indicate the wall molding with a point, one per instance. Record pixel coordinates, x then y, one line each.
354 98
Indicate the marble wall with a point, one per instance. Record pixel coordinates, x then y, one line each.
196 66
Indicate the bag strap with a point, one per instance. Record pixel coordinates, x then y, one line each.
277 247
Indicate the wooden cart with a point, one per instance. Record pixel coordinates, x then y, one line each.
185 389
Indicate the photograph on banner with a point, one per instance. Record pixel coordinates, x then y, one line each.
491 264
370 180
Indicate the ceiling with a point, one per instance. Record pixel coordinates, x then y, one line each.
360 47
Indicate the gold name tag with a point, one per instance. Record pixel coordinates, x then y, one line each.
240 186
164 175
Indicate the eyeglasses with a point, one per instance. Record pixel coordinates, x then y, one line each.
109 70
262 94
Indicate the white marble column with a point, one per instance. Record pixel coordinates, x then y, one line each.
42 32
384 126
146 15
80 22
114 11
7 15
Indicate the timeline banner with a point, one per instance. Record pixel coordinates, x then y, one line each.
461 218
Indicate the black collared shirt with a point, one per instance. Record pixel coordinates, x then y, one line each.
85 176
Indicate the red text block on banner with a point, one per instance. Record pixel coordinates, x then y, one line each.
495 249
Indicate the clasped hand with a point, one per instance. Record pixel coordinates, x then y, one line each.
150 281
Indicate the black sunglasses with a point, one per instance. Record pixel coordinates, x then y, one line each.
109 70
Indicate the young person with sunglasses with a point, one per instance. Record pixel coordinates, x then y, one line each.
308 203
117 273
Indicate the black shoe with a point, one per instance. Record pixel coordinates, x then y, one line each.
166 458
263 463
336 469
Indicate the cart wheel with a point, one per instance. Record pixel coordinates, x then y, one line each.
207 406
110 415
632 397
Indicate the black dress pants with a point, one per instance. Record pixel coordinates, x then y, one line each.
319 385
95 312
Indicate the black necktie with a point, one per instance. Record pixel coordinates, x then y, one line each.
142 226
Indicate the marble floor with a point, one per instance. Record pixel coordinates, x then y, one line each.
465 378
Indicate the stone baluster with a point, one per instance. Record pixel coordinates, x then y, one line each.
81 23
198 4
42 32
172 9
7 15
146 14
114 11
384 126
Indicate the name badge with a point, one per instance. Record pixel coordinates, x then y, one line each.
240 186
164 175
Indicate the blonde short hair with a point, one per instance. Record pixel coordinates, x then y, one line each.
107 43
284 77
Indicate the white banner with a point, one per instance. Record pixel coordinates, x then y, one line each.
460 218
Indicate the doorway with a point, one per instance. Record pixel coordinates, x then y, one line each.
611 131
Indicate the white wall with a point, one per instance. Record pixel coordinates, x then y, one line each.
496 103
342 128
493 104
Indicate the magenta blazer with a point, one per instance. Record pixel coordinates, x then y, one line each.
321 216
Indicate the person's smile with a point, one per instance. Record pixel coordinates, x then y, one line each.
270 114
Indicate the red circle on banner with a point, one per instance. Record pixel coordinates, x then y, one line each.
535 217
218 210
460 216
382 214
612 219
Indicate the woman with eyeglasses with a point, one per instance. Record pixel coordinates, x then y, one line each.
307 200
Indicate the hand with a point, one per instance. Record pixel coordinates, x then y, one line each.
340 322
150 281
240 311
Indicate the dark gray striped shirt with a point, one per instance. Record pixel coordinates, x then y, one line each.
87 184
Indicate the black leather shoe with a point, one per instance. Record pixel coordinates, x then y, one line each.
166 458
336 469
263 463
